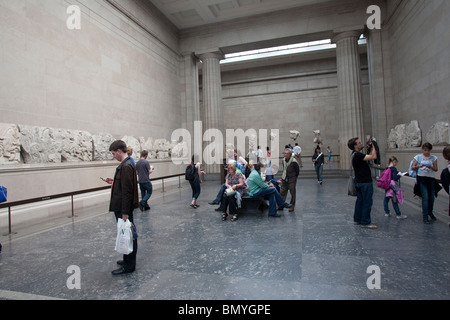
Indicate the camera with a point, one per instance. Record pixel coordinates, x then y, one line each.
372 143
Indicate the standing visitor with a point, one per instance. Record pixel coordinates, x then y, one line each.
426 166
144 169
289 178
363 183
195 182
298 154
124 198
318 159
394 191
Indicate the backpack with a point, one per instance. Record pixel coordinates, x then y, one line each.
413 173
384 182
190 172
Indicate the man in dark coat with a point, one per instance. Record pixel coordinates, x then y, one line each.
124 198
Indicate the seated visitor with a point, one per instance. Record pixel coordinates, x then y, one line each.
240 165
258 188
234 182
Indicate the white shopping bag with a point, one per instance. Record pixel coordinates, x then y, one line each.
124 240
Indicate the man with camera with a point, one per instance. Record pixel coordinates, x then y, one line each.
363 182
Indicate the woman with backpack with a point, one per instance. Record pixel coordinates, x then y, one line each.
193 175
426 166
394 191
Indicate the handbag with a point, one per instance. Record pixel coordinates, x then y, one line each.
124 240
230 192
351 189
3 194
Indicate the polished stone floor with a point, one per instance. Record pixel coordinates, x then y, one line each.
190 254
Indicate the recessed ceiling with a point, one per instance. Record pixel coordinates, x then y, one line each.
193 13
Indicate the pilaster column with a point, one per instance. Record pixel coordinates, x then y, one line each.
191 101
212 116
378 74
349 92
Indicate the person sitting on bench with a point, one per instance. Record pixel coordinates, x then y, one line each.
258 188
234 183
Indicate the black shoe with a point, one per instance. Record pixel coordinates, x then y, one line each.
218 209
286 205
147 208
432 217
141 207
276 215
121 271
213 202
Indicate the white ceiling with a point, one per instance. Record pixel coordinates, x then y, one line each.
193 13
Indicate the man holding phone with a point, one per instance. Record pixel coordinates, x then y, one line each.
124 198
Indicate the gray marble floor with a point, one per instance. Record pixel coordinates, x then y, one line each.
190 254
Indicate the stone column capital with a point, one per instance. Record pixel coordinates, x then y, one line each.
217 54
341 35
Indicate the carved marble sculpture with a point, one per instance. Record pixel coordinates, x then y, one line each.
438 135
317 138
102 142
9 144
405 136
38 145
294 135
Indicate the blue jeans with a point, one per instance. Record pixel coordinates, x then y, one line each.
319 170
426 185
394 204
146 192
195 185
363 205
273 196
221 191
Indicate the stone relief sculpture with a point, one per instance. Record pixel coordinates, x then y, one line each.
439 134
180 150
39 145
413 134
101 143
405 136
9 143
410 136
74 145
